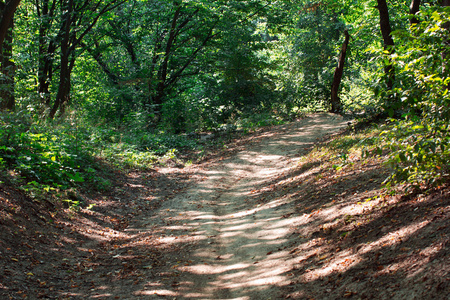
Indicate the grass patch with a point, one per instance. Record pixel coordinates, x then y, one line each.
346 148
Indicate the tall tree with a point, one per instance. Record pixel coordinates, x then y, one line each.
336 105
78 19
162 45
7 67
168 72
388 41
7 10
47 46
318 30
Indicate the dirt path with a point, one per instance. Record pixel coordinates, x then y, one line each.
240 246
265 221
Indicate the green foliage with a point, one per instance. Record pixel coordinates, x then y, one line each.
241 81
419 143
45 157
187 113
420 152
126 156
314 52
253 121
351 143
151 74
12 126
40 153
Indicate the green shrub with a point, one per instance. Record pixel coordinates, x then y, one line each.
420 142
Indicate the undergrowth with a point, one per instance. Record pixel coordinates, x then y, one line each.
51 157
44 157
411 151
346 148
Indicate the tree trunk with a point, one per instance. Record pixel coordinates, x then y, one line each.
388 42
336 105
63 94
74 27
162 73
46 50
7 70
45 71
414 9
64 73
7 10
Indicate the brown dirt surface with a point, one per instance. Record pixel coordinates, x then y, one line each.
260 220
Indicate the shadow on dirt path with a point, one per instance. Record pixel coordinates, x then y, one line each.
239 252
272 218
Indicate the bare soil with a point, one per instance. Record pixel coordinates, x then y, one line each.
259 220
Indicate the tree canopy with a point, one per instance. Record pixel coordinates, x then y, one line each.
144 67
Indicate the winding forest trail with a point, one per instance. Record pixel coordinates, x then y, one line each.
265 221
240 245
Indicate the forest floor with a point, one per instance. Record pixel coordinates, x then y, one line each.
261 219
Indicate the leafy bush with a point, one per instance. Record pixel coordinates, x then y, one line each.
47 156
420 142
123 156
254 121
420 152
40 154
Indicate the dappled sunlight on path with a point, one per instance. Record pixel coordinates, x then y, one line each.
241 245
272 221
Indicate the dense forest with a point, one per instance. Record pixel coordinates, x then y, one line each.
129 82
228 149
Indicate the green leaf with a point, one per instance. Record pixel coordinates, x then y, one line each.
433 147
75 177
391 112
402 157
379 151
